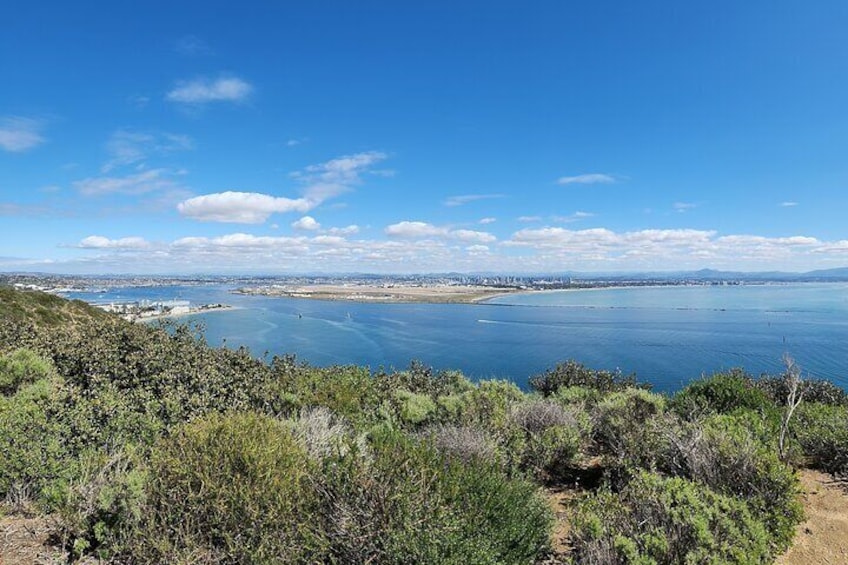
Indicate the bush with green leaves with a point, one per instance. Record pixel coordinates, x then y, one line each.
232 489
248 488
723 393
35 461
812 390
410 503
655 520
728 453
822 432
619 420
572 373
104 503
22 367
552 436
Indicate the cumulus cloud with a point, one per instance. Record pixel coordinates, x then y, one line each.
100 242
140 183
306 223
419 230
320 183
486 221
19 134
788 204
413 229
591 178
529 219
542 250
239 207
466 198
472 236
202 91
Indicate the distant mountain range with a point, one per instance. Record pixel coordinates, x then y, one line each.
829 275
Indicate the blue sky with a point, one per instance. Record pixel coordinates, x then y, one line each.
376 136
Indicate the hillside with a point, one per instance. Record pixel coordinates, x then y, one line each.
146 446
44 309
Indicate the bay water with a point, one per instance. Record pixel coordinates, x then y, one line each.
666 335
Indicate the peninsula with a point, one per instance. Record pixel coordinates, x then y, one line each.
388 293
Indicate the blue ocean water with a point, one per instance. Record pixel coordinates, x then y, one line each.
666 335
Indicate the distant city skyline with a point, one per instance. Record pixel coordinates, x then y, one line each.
423 137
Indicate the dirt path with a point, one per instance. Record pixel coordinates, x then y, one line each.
23 541
823 537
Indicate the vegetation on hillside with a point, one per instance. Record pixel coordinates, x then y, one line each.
152 447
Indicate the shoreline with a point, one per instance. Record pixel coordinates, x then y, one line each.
373 294
136 318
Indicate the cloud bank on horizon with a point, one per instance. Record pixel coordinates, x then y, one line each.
609 141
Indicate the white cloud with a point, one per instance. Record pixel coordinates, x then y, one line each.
100 242
293 142
201 91
486 221
471 236
19 134
788 204
347 230
336 176
529 219
320 183
140 183
477 249
408 229
591 178
419 230
239 207
237 241
466 198
306 223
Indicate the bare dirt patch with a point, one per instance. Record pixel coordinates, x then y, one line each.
823 536
26 541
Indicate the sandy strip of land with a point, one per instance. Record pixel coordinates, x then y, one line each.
447 294
149 317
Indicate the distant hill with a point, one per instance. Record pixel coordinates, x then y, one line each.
44 309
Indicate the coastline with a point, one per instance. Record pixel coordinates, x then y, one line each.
436 294
176 315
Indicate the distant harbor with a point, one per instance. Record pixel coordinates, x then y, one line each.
142 310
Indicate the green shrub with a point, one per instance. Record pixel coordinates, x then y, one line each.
619 420
411 504
812 390
22 367
414 408
233 489
727 454
34 460
489 404
552 436
723 393
571 373
822 432
104 503
655 520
